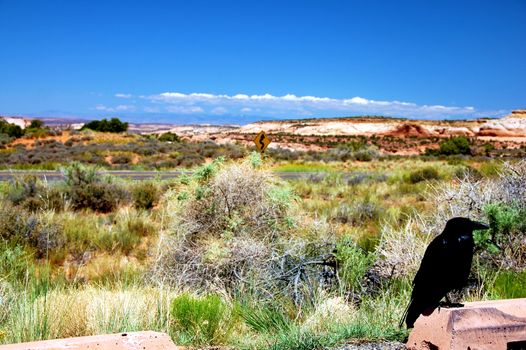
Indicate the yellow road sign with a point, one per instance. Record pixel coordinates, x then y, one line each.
261 141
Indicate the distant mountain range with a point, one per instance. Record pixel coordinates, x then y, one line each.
513 125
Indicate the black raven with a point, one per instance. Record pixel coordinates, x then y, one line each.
445 267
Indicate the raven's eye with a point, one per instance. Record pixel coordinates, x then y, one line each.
463 238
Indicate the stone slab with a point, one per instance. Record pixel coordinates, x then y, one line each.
133 341
484 325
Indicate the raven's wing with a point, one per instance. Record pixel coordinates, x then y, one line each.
431 266
428 284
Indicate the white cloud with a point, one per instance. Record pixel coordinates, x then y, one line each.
219 110
184 110
119 108
287 106
152 109
291 105
100 107
121 95
129 108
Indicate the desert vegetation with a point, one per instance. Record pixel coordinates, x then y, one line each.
231 255
104 125
107 144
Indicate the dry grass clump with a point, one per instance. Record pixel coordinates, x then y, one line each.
500 201
401 249
469 196
88 311
232 229
330 312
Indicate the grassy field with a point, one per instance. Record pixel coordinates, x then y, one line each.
234 256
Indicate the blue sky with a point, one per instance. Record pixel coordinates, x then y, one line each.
238 61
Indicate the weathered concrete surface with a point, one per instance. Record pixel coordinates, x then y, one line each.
135 340
485 325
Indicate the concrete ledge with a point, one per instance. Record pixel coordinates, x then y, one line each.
135 340
485 325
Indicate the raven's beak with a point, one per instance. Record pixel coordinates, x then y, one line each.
479 225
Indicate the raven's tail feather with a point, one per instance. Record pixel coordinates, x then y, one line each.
404 315
413 311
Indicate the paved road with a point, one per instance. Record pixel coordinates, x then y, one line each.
52 175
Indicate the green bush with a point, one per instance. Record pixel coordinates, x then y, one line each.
353 263
507 224
36 129
424 174
36 124
17 226
26 191
88 190
169 137
12 221
5 140
11 130
452 146
121 159
145 195
14 261
203 321
104 125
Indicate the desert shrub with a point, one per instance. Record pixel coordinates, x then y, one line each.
424 174
12 221
504 242
26 191
169 137
283 154
452 146
468 171
145 195
359 213
5 140
83 233
366 154
20 227
231 230
88 190
33 194
130 227
121 159
37 132
190 160
203 320
43 234
488 148
349 151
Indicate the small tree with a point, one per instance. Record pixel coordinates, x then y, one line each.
36 124
104 125
452 146
11 130
169 137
